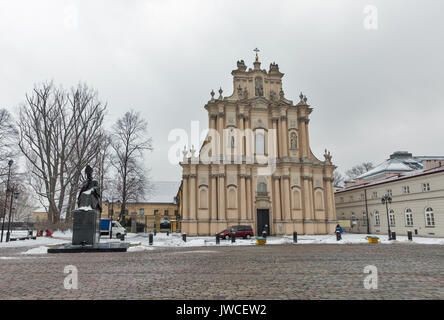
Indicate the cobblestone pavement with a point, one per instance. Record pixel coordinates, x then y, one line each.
406 271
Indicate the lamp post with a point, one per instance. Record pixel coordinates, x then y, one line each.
10 162
386 200
14 194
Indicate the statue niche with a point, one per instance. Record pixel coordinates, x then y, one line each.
258 87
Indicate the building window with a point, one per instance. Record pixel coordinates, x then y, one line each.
364 219
392 218
341 199
176 213
165 213
362 196
262 188
389 192
430 218
351 198
426 187
408 217
141 211
260 144
156 212
374 195
405 189
377 218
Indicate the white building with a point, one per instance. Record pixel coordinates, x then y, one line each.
417 201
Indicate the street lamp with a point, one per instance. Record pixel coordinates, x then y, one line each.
14 195
10 162
386 200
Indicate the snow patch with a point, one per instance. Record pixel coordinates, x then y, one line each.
38 250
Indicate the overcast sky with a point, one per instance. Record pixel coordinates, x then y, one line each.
373 91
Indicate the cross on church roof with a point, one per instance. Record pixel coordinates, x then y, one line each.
256 50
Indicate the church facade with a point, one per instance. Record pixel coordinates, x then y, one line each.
255 166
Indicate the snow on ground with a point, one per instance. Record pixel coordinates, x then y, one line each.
140 242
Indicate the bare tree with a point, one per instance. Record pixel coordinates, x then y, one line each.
358 170
57 134
129 141
8 140
338 179
90 136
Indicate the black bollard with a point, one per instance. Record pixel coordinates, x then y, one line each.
264 234
168 233
122 237
410 235
393 235
295 237
184 237
217 238
155 231
150 239
233 236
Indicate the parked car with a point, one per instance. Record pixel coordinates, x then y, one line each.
245 232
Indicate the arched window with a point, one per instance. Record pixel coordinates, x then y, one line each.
392 218
377 219
260 143
408 217
296 199
429 217
232 198
319 200
203 198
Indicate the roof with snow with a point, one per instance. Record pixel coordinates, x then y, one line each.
399 162
400 176
163 191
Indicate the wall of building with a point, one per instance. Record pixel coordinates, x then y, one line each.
350 205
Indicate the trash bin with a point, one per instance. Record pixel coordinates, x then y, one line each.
372 239
261 240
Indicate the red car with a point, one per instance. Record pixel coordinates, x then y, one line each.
245 232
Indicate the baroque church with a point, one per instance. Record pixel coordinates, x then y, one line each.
255 166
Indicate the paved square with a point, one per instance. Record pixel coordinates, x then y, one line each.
310 271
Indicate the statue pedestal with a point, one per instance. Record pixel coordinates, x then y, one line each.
86 227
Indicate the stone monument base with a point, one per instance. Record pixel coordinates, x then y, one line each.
98 247
86 227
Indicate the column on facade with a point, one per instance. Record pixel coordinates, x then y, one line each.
222 213
213 126
307 138
249 199
302 138
220 130
192 196
277 199
329 196
241 140
243 198
185 209
286 204
274 122
213 197
284 136
306 192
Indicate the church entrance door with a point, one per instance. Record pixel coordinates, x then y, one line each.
263 221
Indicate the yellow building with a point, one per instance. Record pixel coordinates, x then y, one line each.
160 206
40 215
256 166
